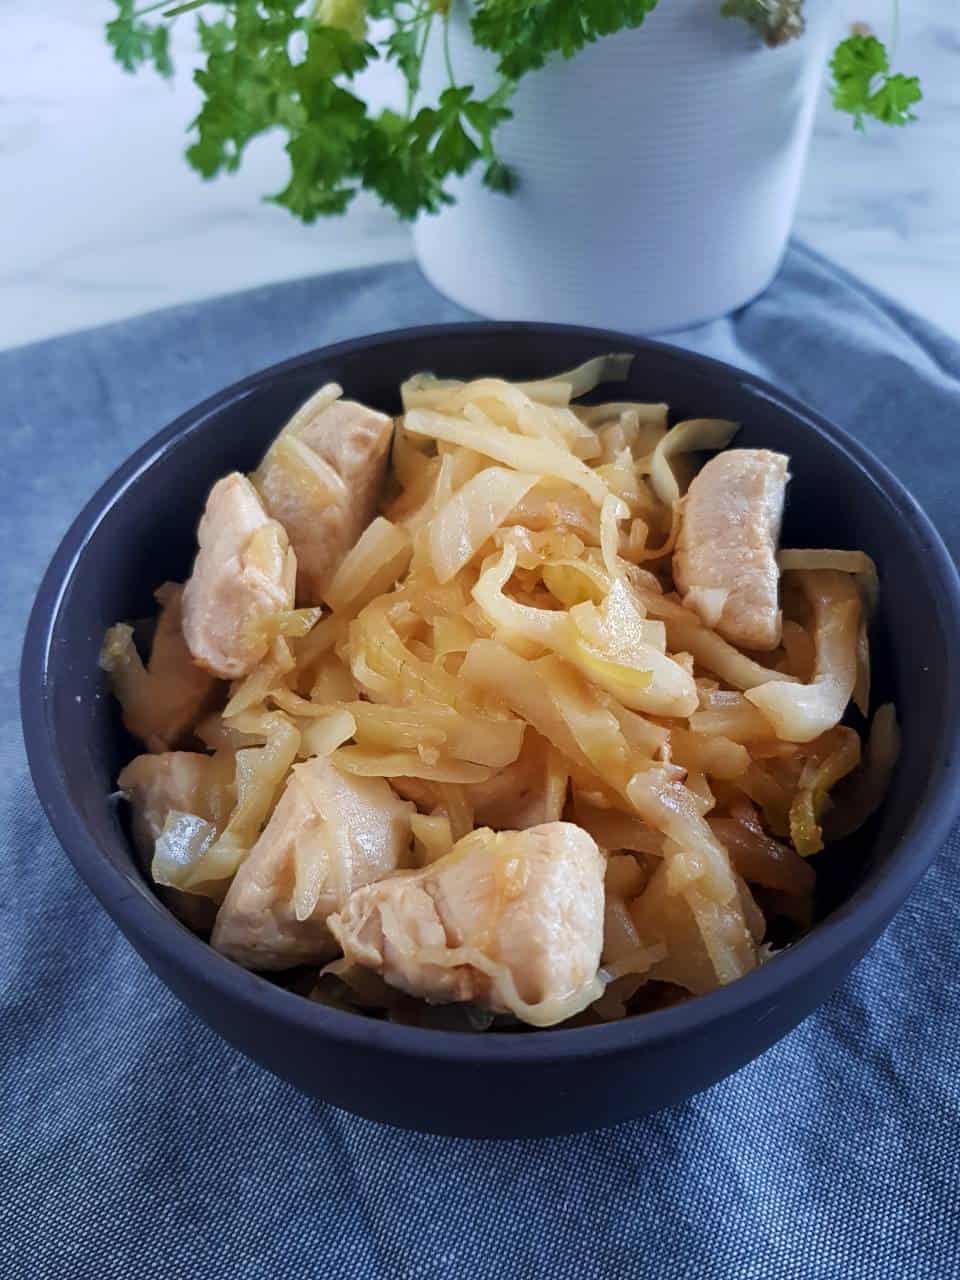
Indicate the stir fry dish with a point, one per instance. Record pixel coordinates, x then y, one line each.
508 711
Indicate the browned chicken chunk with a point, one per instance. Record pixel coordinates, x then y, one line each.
177 782
329 834
164 700
184 781
511 920
242 577
183 690
321 479
725 563
527 793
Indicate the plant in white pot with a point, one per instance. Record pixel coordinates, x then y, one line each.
632 163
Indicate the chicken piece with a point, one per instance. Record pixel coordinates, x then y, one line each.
321 479
329 834
512 921
243 575
527 793
183 691
162 701
185 781
181 782
725 563
424 794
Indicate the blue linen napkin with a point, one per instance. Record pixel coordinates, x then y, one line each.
135 1144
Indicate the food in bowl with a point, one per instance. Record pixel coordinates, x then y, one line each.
504 713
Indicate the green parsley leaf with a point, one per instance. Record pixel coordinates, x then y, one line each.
863 85
287 66
892 101
523 33
455 151
215 37
403 48
398 164
486 114
160 51
248 82
499 178
135 42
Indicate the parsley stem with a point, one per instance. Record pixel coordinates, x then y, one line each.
446 51
173 8
421 52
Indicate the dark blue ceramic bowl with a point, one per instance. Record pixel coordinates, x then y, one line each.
139 530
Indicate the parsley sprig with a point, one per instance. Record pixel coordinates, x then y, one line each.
135 42
290 66
523 34
863 85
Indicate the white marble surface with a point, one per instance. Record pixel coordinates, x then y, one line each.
101 218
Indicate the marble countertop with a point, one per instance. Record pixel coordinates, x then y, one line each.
102 219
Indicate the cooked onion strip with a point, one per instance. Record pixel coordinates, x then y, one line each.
668 806
686 437
856 563
375 562
800 713
760 859
407 764
260 770
687 633
614 367
472 514
539 457
856 800
838 755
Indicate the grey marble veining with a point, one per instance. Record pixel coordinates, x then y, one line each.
101 218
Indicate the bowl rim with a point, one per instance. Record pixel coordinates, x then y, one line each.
849 929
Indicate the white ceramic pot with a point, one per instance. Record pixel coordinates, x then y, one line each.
658 174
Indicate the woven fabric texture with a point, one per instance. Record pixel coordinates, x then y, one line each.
135 1145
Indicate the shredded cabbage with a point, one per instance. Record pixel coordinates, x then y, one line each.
503 647
326 732
472 514
864 572
759 858
473 739
371 567
606 644
856 800
539 457
800 713
686 437
308 411
432 837
857 563
585 377
183 840
260 772
687 633
670 807
706 943
838 755
407 764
